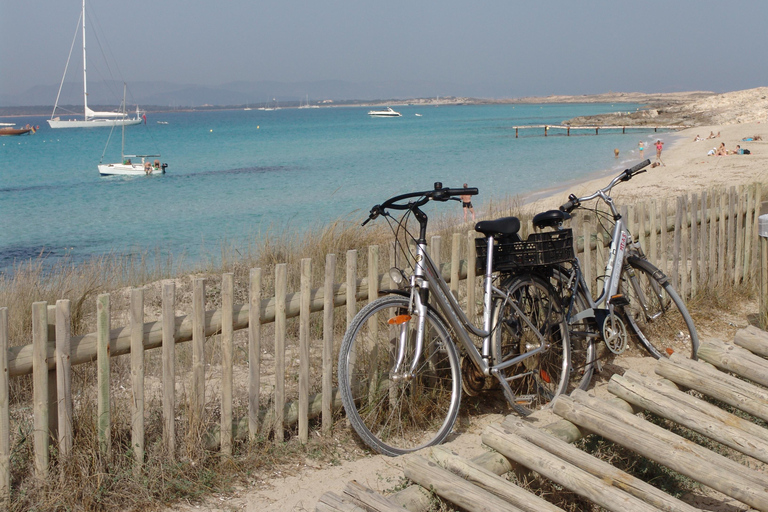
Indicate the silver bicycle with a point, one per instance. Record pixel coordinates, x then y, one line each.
407 356
637 300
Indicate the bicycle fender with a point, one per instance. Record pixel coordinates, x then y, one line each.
657 274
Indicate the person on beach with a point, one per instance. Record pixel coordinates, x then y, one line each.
616 153
641 147
659 145
711 135
466 204
721 151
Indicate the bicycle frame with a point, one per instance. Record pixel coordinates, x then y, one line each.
427 278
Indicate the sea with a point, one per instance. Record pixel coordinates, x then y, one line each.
234 176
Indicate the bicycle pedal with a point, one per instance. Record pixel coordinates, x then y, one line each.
619 300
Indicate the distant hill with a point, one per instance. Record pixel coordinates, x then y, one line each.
172 95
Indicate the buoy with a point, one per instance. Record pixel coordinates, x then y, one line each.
211 130
257 127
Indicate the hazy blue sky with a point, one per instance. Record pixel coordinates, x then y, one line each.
501 48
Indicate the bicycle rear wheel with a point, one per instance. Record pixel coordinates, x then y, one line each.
398 413
656 313
535 380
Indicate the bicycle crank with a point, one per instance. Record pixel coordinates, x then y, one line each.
614 332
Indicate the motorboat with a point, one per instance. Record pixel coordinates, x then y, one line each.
387 112
17 131
90 118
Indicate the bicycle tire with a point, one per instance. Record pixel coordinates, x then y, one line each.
402 415
664 325
539 378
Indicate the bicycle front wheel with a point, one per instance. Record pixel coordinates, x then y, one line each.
398 412
655 312
536 379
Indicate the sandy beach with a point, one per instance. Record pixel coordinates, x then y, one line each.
687 168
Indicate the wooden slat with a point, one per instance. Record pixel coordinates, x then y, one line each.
306 286
753 339
594 466
748 234
198 351
663 249
653 239
136 323
169 369
677 240
435 251
730 247
694 245
561 472
254 350
758 205
586 262
328 351
704 424
684 248
453 488
371 501
455 263
706 379
351 266
713 230
103 374
703 260
5 419
666 448
281 284
723 241
739 253
227 360
491 482
735 359
64 377
40 387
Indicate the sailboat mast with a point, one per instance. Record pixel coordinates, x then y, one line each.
122 146
85 82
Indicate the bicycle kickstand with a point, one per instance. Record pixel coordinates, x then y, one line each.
510 395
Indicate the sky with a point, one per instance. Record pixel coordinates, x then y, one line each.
486 48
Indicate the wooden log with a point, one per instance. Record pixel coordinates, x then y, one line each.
136 323
227 360
306 285
169 369
371 501
711 382
594 466
63 377
735 359
705 425
332 502
491 482
675 452
254 351
103 413
671 391
453 488
328 351
561 472
5 418
753 339
198 351
281 284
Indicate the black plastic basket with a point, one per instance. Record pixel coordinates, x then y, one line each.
539 249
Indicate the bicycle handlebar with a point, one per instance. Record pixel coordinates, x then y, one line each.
626 175
437 194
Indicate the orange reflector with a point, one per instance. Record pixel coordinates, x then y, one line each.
399 319
669 351
545 376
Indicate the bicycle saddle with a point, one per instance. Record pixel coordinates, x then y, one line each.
503 226
550 219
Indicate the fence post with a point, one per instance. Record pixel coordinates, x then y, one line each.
455 263
5 419
169 369
763 227
281 285
306 288
351 285
64 378
102 374
694 207
137 376
227 359
254 351
198 351
330 273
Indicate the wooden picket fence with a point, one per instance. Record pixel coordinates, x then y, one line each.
702 241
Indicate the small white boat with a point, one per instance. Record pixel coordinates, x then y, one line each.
387 112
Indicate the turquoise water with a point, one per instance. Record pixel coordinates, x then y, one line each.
234 174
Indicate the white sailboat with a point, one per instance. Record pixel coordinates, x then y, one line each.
90 118
145 167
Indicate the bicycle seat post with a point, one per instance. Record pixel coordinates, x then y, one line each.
488 297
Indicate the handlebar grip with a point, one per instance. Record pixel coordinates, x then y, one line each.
639 166
472 191
572 203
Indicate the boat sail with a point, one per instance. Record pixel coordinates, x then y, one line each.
91 118
127 167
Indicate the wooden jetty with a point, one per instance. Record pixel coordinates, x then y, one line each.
548 127
734 375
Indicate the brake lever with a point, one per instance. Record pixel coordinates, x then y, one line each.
375 212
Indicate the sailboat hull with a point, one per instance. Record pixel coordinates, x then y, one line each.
128 170
92 123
